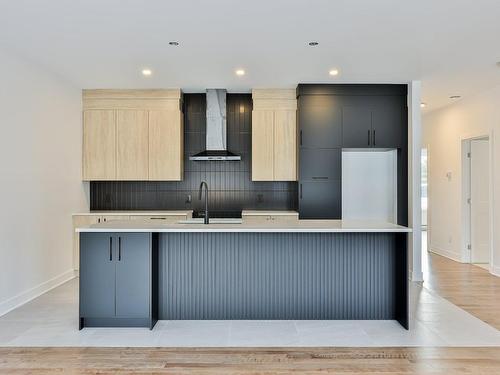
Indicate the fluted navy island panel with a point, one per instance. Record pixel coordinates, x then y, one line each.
283 276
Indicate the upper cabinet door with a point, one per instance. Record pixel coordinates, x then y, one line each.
320 121
262 145
132 144
99 152
285 145
388 122
166 143
356 127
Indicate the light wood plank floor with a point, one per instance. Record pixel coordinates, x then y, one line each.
469 287
250 361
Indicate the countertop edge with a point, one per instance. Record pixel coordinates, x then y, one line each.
244 230
136 213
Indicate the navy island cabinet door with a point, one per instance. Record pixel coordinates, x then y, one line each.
97 275
133 275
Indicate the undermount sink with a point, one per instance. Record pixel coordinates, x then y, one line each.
212 221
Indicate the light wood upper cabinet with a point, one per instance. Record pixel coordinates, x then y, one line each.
274 135
132 143
262 145
132 135
285 145
99 146
166 145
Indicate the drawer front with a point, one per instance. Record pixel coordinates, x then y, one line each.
320 165
159 219
109 218
270 219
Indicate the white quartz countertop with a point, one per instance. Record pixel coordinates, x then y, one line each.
301 226
137 213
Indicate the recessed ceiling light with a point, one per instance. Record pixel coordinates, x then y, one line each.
423 105
455 97
173 43
146 72
240 72
313 43
333 72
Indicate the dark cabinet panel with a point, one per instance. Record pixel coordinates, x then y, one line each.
371 116
356 126
320 200
387 122
116 275
320 164
320 122
133 275
97 275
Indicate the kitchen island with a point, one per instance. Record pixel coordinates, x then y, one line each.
133 274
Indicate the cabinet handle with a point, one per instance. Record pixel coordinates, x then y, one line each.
374 142
368 137
110 249
320 178
300 191
99 220
158 218
301 137
119 248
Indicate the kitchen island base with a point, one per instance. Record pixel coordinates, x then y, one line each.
286 276
244 275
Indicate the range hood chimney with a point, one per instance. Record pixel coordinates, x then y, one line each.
216 143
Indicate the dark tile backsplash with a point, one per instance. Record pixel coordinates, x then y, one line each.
230 182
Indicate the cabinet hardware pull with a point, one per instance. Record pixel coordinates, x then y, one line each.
300 191
99 220
301 137
368 137
110 249
158 218
119 248
320 178
374 142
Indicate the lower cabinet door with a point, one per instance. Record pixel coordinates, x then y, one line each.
320 200
133 275
97 275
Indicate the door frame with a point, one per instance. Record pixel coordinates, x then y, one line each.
428 229
466 254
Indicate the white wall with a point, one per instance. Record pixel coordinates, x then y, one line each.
443 132
40 186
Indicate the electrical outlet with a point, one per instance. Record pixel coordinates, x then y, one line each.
188 198
450 239
260 198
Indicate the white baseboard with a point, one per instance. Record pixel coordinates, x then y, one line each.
416 277
495 270
26 296
448 254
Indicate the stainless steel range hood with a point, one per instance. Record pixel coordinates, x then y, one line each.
216 142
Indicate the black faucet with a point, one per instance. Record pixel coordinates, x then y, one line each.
206 219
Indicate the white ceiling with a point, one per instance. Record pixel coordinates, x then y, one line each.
451 45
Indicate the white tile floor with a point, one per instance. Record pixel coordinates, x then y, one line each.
51 320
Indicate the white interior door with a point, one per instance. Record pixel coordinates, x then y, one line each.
480 201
